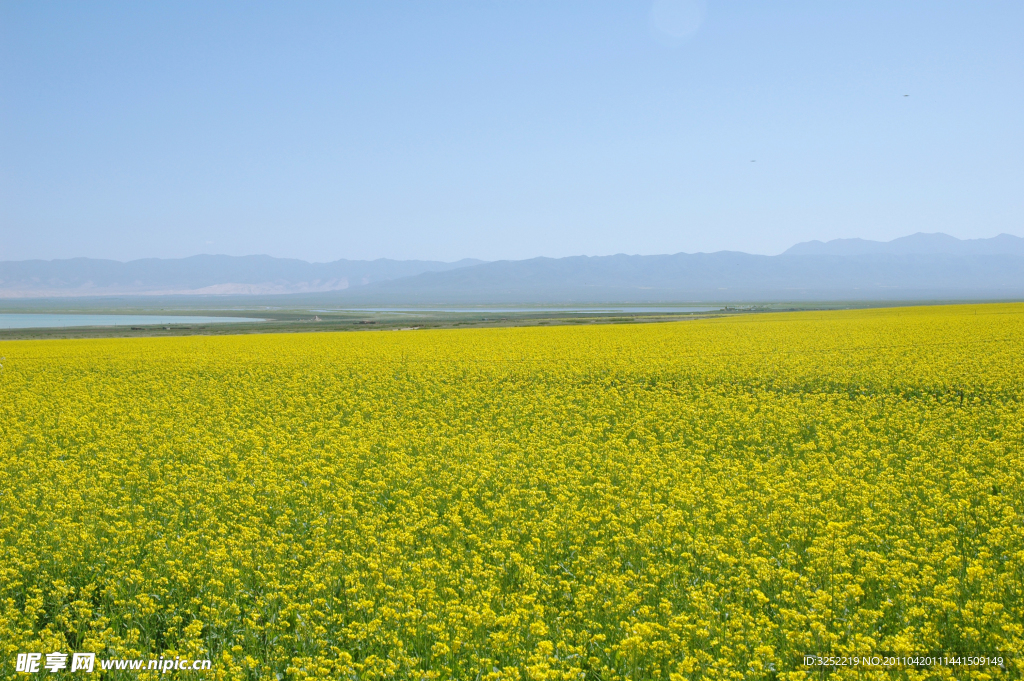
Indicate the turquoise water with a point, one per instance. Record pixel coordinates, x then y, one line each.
50 321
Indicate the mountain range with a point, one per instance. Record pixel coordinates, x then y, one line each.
919 266
915 244
202 275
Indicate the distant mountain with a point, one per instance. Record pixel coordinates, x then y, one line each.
722 276
920 266
915 244
201 274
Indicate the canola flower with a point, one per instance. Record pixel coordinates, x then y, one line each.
696 500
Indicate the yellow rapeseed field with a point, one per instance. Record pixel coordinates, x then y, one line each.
696 500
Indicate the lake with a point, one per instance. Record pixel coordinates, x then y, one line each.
50 321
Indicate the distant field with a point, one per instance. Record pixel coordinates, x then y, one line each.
153 322
710 499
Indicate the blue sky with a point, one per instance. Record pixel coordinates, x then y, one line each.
442 130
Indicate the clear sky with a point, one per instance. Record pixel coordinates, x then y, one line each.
443 130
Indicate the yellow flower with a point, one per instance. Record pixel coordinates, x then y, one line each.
698 500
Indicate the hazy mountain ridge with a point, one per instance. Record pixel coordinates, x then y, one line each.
202 274
914 244
919 266
721 276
